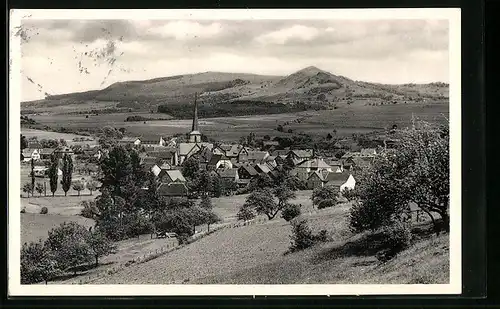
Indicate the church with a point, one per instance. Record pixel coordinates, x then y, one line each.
185 150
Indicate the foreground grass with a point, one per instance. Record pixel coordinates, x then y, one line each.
37 226
255 255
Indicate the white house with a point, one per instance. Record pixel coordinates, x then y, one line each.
340 180
30 153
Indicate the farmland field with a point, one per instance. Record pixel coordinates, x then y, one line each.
40 134
346 120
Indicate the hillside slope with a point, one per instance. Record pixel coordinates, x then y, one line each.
310 85
255 255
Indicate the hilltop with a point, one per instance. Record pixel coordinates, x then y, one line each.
310 85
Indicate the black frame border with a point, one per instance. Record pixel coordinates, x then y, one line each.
473 168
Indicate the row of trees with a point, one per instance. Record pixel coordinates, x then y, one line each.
53 173
66 248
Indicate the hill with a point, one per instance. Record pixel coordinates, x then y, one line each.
255 255
310 86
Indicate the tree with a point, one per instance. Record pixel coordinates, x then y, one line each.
99 245
203 182
27 188
245 213
228 186
416 171
78 186
24 142
69 241
32 175
39 188
327 193
38 263
89 210
206 203
91 186
211 218
53 171
217 186
291 211
67 173
190 168
283 193
329 136
263 202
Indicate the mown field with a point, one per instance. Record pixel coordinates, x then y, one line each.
255 254
346 120
40 134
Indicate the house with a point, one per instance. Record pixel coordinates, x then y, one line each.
361 163
336 165
304 169
46 153
204 157
186 150
165 155
262 169
151 141
168 176
30 153
300 155
34 145
341 181
253 156
247 171
39 169
220 161
134 141
149 162
236 150
228 174
280 153
173 189
221 149
316 179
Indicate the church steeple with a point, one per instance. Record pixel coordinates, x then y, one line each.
195 135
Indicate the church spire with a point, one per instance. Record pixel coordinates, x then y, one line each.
195 114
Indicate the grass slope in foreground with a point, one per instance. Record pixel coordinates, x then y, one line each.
255 255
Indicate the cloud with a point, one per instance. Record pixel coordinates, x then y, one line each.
389 51
296 32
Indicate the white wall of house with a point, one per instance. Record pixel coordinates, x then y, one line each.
226 163
349 184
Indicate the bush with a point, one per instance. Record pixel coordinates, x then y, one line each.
395 238
44 211
291 211
23 210
89 209
349 194
302 237
326 204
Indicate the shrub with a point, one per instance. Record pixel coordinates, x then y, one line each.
302 237
89 209
326 204
291 211
23 210
44 211
37 263
395 238
245 213
349 194
325 193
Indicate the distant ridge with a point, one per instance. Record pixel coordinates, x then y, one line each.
310 84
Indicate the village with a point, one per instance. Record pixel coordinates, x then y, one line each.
236 164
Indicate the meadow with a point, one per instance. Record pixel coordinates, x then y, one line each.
346 120
256 254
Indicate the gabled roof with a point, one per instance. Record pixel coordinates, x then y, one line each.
263 168
34 145
303 153
368 151
249 169
270 143
216 158
333 162
186 148
205 154
172 189
337 179
149 160
166 153
175 175
228 173
150 139
318 174
28 151
314 163
254 156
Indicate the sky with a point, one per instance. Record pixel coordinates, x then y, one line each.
64 56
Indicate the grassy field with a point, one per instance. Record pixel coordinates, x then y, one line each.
255 254
40 134
36 226
346 120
